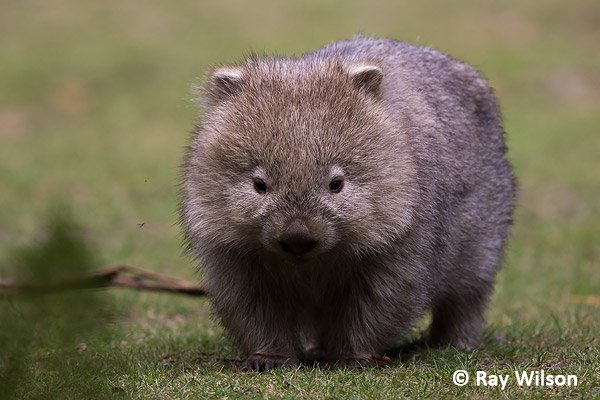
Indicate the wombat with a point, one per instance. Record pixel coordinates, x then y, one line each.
331 199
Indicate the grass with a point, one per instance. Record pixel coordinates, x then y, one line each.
95 109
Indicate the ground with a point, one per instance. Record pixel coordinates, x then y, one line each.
96 106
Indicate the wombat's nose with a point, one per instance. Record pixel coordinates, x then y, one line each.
296 239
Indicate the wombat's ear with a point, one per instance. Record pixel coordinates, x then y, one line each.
367 77
223 82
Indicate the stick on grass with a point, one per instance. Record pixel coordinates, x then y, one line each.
123 276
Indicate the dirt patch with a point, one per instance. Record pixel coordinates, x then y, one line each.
71 96
14 122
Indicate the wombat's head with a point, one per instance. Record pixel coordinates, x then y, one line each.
297 159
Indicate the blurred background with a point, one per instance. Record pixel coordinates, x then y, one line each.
96 107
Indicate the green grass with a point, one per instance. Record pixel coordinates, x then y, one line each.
95 108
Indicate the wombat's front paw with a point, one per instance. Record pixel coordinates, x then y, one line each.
264 362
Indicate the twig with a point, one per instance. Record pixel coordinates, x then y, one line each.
123 276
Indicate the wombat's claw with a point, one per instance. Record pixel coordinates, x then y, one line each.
264 362
381 361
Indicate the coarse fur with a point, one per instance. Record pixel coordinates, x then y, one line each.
293 265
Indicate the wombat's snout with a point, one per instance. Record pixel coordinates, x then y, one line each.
296 239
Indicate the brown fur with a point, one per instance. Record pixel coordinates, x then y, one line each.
420 222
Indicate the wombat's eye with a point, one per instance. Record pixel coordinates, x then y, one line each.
336 185
259 185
